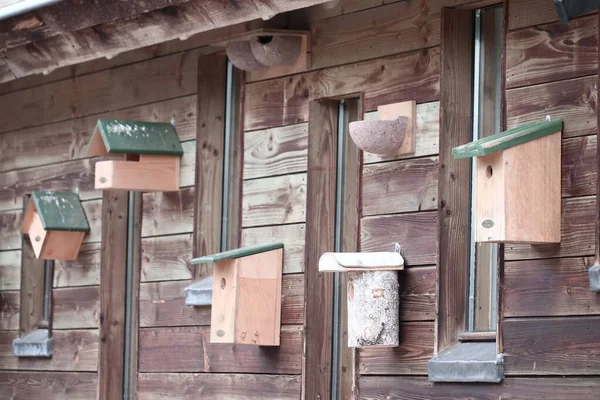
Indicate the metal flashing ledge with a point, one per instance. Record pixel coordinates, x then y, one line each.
467 362
34 344
594 273
199 293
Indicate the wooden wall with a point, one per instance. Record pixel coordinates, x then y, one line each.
390 51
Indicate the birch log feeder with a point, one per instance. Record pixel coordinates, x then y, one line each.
373 295
392 134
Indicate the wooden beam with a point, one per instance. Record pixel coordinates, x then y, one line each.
454 175
48 385
112 294
181 21
210 134
320 211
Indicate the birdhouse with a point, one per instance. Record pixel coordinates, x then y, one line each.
149 152
373 295
56 225
393 133
246 302
517 184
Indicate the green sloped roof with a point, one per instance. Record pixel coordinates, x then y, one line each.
138 137
60 211
237 253
505 140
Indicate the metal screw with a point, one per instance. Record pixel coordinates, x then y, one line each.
103 180
37 238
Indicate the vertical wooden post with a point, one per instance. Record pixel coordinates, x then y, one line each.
112 294
212 78
320 231
456 115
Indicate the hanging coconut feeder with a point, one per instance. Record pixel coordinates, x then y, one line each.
393 133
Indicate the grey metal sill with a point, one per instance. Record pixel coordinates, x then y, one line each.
199 293
594 274
34 344
467 362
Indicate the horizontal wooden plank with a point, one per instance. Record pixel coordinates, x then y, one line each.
72 351
111 89
10 270
579 166
284 101
572 48
552 346
330 9
410 357
520 13
271 201
275 151
194 353
24 385
573 101
218 386
577 234
65 141
427 132
85 271
552 287
166 258
400 186
167 213
162 304
416 233
292 236
9 310
419 388
417 294
10 225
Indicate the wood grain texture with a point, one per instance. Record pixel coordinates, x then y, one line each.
166 258
112 294
85 271
168 213
454 175
187 386
520 13
400 186
419 388
551 346
320 235
272 201
48 385
417 294
9 310
72 351
161 304
210 133
551 287
68 140
10 270
284 101
577 234
554 52
416 233
194 353
409 358
574 101
275 151
292 236
578 166
76 308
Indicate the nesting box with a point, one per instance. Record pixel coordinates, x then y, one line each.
150 155
56 225
517 184
373 295
246 303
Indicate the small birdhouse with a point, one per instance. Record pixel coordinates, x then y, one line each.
150 155
373 295
517 184
56 225
246 303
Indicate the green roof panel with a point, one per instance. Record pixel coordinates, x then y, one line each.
507 139
237 253
138 137
60 211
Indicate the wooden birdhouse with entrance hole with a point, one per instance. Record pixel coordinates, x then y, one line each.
56 225
149 152
517 184
246 302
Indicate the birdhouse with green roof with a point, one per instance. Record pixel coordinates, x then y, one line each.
56 225
149 152
246 296
517 184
